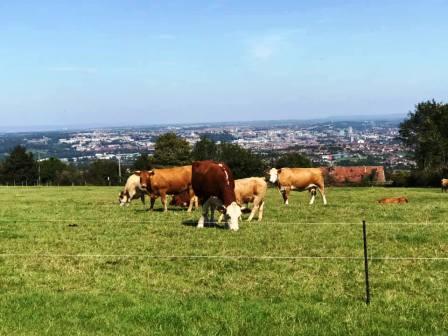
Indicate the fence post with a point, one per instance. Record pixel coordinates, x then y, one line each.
366 263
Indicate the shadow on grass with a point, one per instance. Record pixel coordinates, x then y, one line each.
194 223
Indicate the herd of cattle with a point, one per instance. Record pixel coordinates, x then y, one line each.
212 184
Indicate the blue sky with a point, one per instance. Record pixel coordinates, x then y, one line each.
145 62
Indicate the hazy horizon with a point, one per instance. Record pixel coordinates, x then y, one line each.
148 63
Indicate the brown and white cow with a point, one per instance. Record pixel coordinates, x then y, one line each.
167 181
288 179
132 190
214 185
251 190
444 184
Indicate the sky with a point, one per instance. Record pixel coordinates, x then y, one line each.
135 62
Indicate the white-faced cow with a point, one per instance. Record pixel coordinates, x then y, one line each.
167 181
214 185
288 179
251 190
132 190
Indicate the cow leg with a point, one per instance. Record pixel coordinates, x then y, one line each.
285 194
163 199
204 217
260 211
192 199
322 192
153 200
142 198
313 195
254 209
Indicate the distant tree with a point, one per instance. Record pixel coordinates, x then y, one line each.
143 162
425 133
204 149
19 167
49 170
69 176
293 160
171 150
241 161
102 172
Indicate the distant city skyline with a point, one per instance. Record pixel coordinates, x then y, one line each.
122 63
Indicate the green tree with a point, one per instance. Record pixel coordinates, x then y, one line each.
49 170
425 133
102 172
143 162
204 149
171 150
19 167
293 160
242 162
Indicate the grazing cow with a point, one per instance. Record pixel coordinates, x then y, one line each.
444 184
214 185
183 200
288 179
132 190
251 190
393 200
167 181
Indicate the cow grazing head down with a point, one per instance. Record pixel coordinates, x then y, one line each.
145 178
123 198
273 175
232 214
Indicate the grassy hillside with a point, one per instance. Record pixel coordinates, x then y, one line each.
73 262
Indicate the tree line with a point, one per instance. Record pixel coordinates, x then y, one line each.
20 167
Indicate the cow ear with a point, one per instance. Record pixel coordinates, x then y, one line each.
137 172
222 209
151 172
279 171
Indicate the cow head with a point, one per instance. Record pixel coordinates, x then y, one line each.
232 214
145 178
273 175
123 198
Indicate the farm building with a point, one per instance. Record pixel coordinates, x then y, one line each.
355 175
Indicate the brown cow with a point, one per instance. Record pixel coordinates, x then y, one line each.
393 200
167 181
251 190
183 200
288 179
214 185
444 184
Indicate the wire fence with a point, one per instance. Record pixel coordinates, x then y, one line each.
225 257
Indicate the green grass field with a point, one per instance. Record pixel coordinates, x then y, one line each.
73 262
